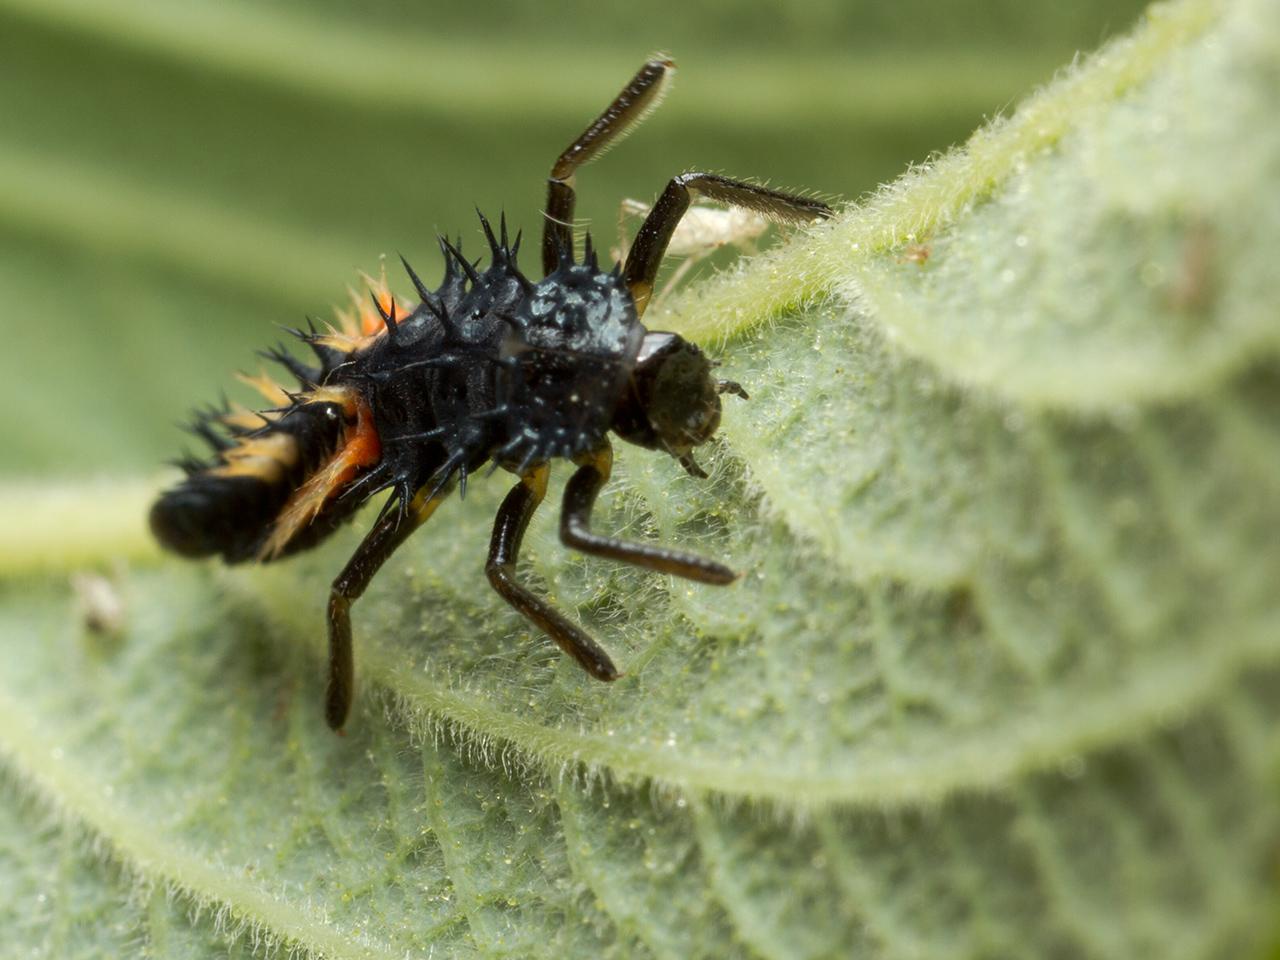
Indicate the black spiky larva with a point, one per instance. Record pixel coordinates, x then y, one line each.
490 367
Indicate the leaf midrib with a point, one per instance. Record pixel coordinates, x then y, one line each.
1073 726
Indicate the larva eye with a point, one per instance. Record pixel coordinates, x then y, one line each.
673 403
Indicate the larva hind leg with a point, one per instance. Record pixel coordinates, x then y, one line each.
374 550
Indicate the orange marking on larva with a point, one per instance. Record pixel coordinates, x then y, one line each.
342 396
265 458
361 447
242 418
370 320
348 320
271 391
360 324
343 343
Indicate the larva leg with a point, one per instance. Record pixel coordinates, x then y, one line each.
508 530
374 550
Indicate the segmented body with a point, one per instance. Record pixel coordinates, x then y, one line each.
487 367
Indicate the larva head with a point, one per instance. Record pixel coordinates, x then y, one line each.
672 402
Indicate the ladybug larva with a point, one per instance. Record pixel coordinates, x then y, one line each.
489 367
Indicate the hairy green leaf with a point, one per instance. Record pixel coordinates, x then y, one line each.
1001 679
